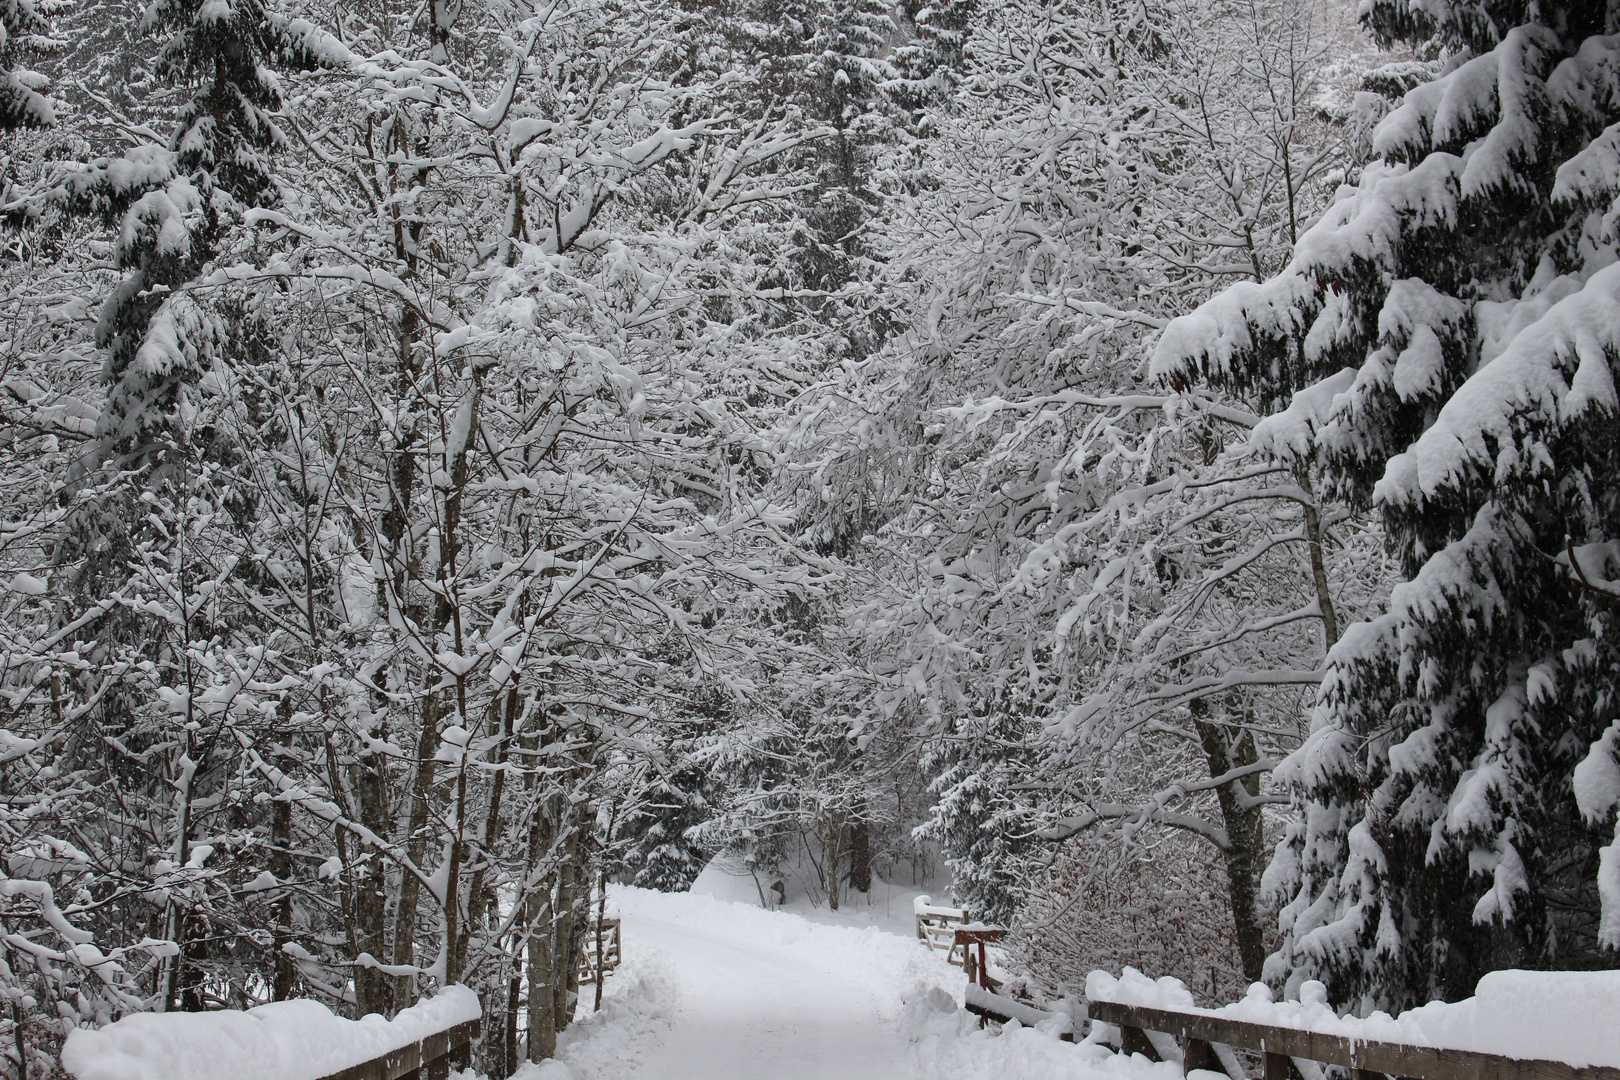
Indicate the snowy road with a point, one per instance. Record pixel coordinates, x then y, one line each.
711 990
759 1010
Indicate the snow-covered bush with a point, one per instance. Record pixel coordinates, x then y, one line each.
1158 904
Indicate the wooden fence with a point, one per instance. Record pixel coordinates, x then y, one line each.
936 926
430 1059
1284 1052
602 946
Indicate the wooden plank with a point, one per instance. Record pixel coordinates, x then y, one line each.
1275 1066
434 1054
1394 1059
391 1066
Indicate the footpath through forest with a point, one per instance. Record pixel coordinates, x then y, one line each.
718 990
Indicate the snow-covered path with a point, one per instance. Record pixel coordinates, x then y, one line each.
766 1010
713 990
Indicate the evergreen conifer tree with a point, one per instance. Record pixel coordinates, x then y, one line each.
1443 346
170 203
23 28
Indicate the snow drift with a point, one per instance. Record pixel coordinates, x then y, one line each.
286 1040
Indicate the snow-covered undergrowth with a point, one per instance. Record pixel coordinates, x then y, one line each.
721 990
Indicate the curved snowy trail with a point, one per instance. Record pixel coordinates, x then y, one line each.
718 991
711 990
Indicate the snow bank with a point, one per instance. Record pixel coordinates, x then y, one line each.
286 1040
1563 1016
639 1006
948 1044
729 879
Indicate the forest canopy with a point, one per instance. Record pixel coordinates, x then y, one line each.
1153 464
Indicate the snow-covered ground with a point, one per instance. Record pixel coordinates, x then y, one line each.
721 990
718 989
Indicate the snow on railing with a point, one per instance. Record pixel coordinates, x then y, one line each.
285 1040
990 1005
1519 1025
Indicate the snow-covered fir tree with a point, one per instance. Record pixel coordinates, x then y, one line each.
1442 346
170 201
24 29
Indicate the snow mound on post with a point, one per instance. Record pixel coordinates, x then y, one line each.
285 1040
1565 1016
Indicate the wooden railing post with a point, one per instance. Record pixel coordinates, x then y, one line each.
1133 1040
1199 1055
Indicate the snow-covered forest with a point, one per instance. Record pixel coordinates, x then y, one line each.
1150 468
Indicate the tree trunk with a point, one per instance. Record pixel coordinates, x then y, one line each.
601 915
190 988
284 975
563 950
1319 578
416 838
542 1029
1243 830
489 830
514 991
542 1038
176 916
372 992
832 853
860 854
454 924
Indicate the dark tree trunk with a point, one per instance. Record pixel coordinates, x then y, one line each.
542 1037
416 838
542 1012
282 980
833 854
372 990
480 898
860 855
194 953
514 991
563 955
1228 748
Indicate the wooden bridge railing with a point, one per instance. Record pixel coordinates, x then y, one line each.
603 939
936 926
1283 1050
430 1059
